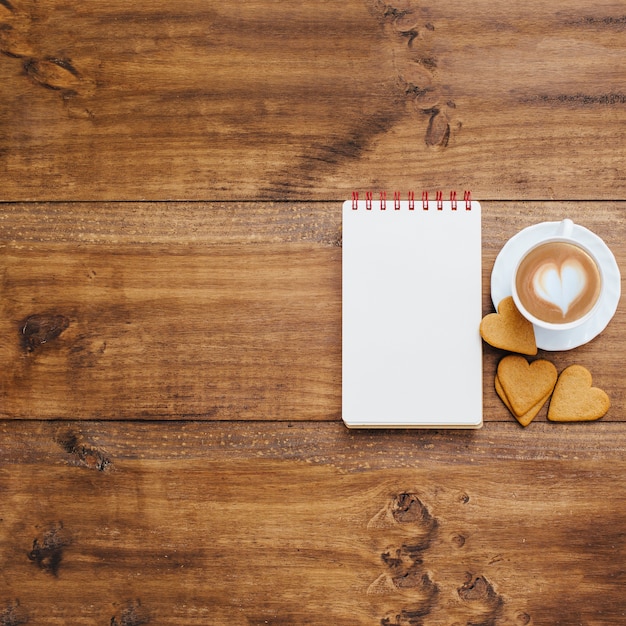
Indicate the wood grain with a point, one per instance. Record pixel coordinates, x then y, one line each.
309 100
185 523
222 333
232 312
171 176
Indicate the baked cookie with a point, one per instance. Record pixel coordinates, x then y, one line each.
524 387
575 400
509 330
527 417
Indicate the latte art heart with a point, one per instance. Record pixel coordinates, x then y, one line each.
557 282
560 286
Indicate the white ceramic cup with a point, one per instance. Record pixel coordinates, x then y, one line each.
557 281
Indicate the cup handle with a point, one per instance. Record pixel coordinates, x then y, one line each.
565 228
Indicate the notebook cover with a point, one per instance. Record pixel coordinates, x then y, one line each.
412 305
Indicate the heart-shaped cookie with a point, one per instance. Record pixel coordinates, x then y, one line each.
525 384
527 417
575 400
508 329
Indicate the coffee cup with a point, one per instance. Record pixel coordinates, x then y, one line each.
558 282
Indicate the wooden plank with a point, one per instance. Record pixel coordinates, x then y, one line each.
309 100
223 333
231 312
173 309
189 523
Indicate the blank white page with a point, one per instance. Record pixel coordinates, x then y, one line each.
412 305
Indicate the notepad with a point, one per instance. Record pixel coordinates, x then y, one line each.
411 311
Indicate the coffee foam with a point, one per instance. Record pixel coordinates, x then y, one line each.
558 282
560 285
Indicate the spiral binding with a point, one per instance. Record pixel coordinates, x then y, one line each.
397 199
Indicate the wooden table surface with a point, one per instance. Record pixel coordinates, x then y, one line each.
171 443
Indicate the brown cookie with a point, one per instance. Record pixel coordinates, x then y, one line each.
509 330
525 384
575 400
527 417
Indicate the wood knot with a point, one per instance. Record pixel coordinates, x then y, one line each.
481 599
12 43
407 513
438 131
416 580
39 329
476 588
53 73
47 552
13 615
131 615
407 508
416 68
82 453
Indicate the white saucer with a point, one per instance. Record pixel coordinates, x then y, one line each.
511 253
